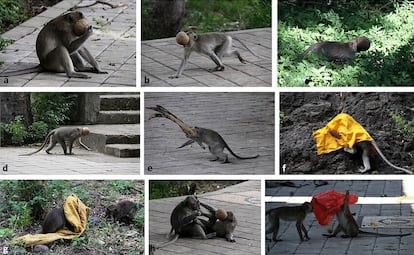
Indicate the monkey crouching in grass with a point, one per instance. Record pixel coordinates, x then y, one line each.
339 51
124 211
54 221
288 213
213 45
59 47
65 136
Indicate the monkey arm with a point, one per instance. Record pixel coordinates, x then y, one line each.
76 44
191 218
187 53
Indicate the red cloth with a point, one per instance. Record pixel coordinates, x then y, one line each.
327 204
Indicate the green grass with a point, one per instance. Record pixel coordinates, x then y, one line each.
389 61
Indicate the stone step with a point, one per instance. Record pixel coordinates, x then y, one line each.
123 150
118 117
119 102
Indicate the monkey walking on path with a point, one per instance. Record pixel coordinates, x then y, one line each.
348 225
59 47
288 213
211 138
213 45
65 136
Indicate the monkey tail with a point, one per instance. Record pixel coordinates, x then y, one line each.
382 234
387 161
234 154
171 241
43 145
247 48
35 69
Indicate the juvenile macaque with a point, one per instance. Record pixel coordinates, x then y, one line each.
59 47
221 222
124 211
55 220
348 225
339 51
211 138
213 45
288 213
65 136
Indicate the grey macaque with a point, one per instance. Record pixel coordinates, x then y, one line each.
348 225
65 136
288 213
215 143
59 47
366 147
185 222
221 222
214 45
339 51
55 220
123 211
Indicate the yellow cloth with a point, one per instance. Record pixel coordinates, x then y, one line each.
348 128
76 214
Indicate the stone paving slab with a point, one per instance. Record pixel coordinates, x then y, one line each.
112 44
363 244
244 120
247 233
162 57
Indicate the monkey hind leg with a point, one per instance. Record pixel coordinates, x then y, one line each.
59 60
52 145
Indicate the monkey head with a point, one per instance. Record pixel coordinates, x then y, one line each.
182 38
221 214
85 131
192 202
362 43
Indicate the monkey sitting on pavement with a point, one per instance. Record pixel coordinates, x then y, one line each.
288 213
59 47
212 45
348 225
211 138
339 51
221 222
66 136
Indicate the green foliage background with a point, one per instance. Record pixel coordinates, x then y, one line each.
388 24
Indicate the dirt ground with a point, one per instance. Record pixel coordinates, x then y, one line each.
303 113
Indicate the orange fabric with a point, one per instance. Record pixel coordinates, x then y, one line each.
349 130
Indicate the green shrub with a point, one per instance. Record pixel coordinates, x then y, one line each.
404 126
16 130
12 12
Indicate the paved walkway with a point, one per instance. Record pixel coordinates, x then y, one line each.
244 120
363 244
243 199
161 59
113 44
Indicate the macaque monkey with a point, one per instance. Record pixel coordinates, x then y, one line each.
221 222
124 211
213 45
339 51
215 143
59 47
185 222
66 137
367 147
211 138
54 221
348 225
288 213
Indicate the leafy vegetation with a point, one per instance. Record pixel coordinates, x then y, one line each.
49 111
23 205
388 24
163 189
404 126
